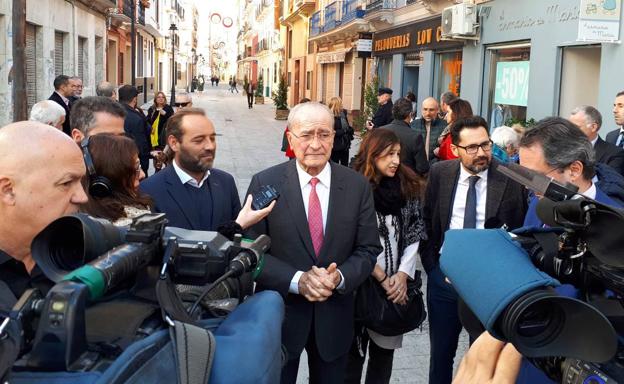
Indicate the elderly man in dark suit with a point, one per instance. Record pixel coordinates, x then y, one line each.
324 242
192 193
63 91
413 152
464 193
589 120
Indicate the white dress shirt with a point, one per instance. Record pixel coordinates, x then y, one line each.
65 99
322 190
186 178
459 203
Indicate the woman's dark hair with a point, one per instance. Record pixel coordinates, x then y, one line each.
114 157
372 148
461 109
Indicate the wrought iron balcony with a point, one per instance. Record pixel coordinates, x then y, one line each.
350 11
331 17
376 5
315 24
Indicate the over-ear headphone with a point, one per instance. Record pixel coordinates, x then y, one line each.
99 186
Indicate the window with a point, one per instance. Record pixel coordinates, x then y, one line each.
289 37
447 75
288 82
274 72
508 85
384 71
31 65
58 53
308 80
82 58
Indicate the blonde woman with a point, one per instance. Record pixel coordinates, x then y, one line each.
157 115
344 132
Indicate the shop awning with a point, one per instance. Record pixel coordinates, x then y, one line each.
336 56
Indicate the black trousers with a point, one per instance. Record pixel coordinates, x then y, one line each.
379 368
341 157
250 100
321 371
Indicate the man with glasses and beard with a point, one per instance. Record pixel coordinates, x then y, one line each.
192 193
466 192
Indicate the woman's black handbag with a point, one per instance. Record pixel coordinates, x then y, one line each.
377 313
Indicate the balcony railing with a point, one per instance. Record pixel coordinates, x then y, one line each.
140 11
315 24
330 17
375 5
140 14
350 11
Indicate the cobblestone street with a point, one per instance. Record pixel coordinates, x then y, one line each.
249 141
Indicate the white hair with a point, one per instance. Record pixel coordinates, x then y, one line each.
47 112
304 111
504 136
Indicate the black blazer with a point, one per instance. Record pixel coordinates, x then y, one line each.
171 197
351 241
612 136
138 129
413 152
152 114
383 116
57 99
609 154
506 203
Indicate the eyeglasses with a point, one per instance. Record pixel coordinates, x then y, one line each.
474 148
309 137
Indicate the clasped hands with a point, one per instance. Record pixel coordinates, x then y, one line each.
318 284
396 288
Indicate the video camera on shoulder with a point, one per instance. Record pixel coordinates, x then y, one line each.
570 332
148 273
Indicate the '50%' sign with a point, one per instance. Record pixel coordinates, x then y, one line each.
512 83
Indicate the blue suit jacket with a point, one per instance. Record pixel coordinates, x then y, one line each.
171 197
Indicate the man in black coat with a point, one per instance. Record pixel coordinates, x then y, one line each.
63 91
616 136
464 193
589 120
324 244
383 116
412 146
135 124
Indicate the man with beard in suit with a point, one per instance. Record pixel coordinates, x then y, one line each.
467 192
589 120
617 135
324 243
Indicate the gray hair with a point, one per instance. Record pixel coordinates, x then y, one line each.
447 97
504 136
592 115
82 115
105 89
304 111
562 143
47 112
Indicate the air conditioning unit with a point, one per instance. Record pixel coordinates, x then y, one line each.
459 21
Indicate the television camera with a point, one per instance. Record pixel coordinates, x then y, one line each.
171 274
568 331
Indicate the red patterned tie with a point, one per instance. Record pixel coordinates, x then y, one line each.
315 218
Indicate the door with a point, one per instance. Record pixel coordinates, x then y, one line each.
297 74
31 65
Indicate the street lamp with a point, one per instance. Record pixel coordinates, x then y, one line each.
173 28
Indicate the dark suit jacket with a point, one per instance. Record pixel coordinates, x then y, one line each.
351 241
57 99
171 197
383 116
609 154
437 126
613 135
138 129
506 203
412 146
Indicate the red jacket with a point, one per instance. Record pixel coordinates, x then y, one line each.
445 153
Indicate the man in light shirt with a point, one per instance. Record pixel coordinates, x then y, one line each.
464 193
324 244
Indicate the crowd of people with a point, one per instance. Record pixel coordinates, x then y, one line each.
334 224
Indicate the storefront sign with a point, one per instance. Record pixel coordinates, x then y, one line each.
337 56
599 20
425 35
512 83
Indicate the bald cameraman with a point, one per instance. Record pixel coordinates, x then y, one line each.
40 173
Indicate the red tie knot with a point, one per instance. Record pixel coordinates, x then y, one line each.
314 181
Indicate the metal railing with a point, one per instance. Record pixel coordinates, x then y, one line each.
350 11
315 24
376 5
331 17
